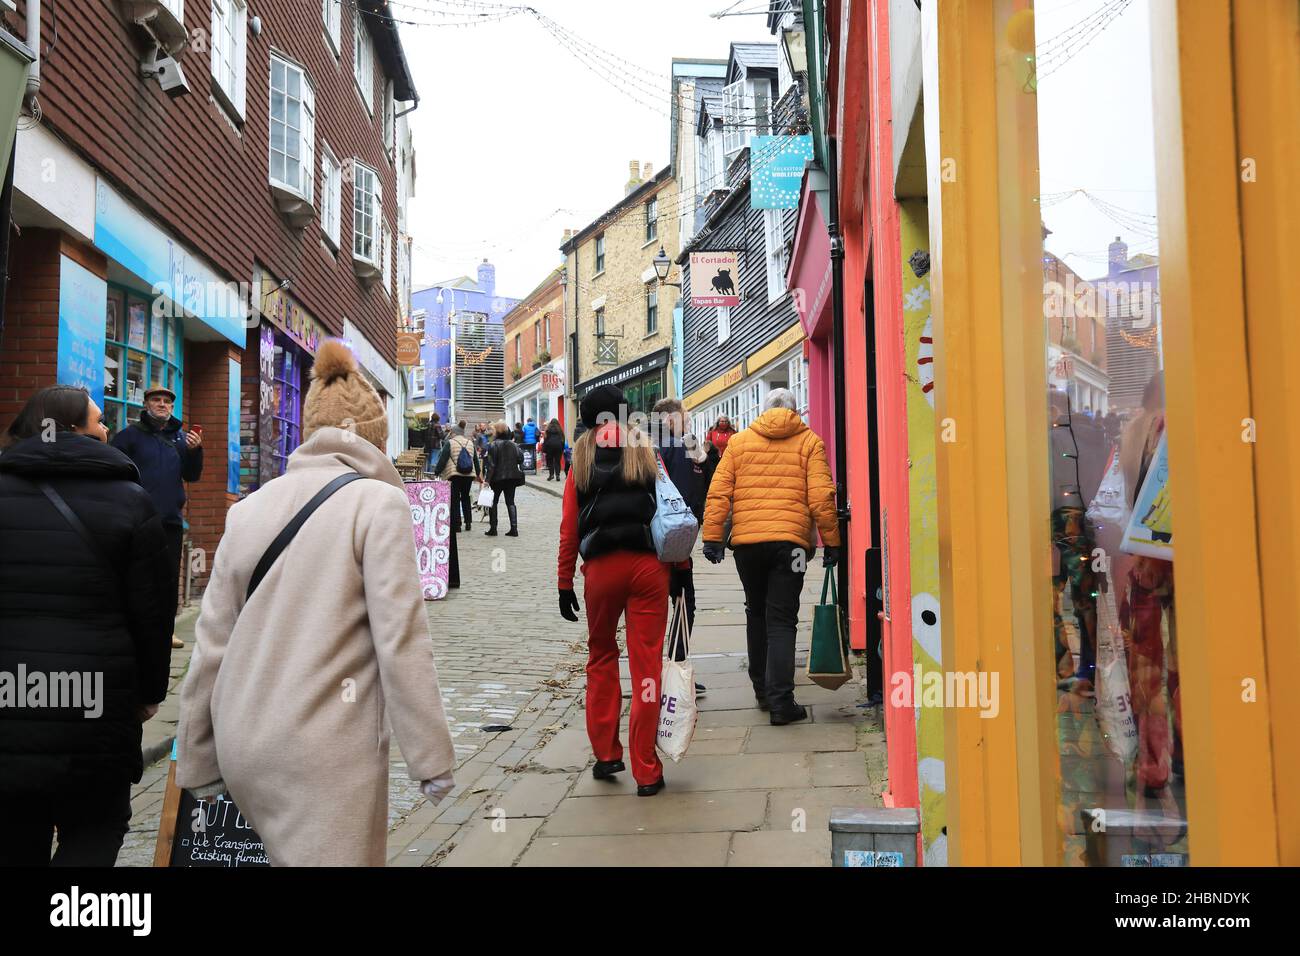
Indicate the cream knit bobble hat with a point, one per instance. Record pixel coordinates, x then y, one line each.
340 397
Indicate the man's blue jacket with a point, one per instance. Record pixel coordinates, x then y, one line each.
164 460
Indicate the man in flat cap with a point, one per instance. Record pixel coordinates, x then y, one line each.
167 458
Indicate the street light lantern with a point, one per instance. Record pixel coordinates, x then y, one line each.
662 264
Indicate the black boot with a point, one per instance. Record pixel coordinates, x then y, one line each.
605 769
650 789
780 716
514 522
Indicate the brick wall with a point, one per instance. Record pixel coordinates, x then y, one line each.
523 321
207 400
200 173
627 257
29 342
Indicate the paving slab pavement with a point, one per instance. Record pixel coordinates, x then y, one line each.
746 794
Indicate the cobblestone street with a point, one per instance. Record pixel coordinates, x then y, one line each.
747 793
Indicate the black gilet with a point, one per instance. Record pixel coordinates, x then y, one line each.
612 514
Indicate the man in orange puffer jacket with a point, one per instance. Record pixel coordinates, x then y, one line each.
775 483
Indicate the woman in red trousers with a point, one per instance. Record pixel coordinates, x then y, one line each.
609 501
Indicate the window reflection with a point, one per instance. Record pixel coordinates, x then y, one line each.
1113 626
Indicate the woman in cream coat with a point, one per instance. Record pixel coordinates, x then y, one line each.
286 699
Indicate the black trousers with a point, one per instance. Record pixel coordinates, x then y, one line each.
509 492
91 826
688 590
462 509
553 461
175 535
772 587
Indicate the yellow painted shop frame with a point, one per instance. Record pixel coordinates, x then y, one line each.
1229 286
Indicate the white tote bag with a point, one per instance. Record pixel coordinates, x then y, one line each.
1114 699
677 713
485 496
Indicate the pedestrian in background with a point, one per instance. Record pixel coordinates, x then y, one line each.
504 475
609 502
82 592
290 689
774 482
530 433
553 446
721 433
434 436
458 464
517 435
167 457
683 457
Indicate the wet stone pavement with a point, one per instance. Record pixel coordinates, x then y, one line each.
524 795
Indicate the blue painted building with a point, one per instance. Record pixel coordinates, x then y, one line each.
436 306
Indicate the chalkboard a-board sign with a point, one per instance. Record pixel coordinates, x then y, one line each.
194 833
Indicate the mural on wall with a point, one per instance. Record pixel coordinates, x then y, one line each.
927 650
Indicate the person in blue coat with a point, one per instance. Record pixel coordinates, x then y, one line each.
530 434
166 458
683 458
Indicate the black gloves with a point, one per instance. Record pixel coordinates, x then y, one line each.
677 581
569 604
830 556
714 551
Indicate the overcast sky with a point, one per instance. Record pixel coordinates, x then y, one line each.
512 126
1095 128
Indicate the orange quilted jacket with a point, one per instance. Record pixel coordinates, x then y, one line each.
774 481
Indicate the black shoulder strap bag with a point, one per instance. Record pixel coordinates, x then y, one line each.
291 529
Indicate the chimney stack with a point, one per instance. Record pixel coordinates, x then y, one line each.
633 178
1118 256
648 172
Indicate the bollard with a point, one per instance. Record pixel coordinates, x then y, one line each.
877 836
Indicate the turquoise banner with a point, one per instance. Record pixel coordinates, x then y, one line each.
83 298
776 165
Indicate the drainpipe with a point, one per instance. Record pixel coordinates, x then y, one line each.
841 426
33 44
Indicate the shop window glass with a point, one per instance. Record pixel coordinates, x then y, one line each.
141 350
286 413
651 392
1112 627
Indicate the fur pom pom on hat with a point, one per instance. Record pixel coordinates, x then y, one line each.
340 397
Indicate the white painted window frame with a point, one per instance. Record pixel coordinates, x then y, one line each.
306 131
227 61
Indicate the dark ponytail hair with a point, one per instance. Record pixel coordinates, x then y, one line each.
68 406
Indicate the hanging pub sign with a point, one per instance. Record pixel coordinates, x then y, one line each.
715 279
776 169
408 349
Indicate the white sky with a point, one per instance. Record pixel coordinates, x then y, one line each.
1095 129
512 127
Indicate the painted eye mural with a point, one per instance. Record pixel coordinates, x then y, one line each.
925 361
925 624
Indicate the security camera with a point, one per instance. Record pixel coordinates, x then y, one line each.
168 72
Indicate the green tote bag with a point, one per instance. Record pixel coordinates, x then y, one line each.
828 658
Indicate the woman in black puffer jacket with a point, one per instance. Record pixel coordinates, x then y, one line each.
504 475
553 447
98 618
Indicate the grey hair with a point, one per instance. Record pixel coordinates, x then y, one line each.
781 398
